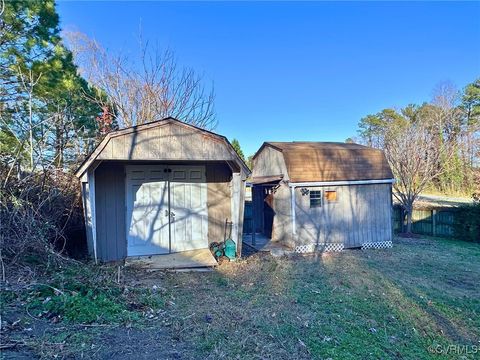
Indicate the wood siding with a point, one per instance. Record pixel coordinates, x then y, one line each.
168 141
362 213
110 211
282 212
282 221
269 162
435 222
110 205
218 200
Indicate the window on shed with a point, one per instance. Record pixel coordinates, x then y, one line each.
315 198
330 195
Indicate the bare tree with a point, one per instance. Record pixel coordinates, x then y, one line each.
146 88
413 156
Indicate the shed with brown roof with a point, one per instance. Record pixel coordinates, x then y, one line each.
322 195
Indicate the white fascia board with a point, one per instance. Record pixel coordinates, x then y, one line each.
333 183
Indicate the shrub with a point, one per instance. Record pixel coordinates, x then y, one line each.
36 211
467 222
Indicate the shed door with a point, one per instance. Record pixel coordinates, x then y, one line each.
147 210
154 193
188 196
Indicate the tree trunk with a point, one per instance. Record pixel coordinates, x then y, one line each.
59 145
30 132
409 222
409 211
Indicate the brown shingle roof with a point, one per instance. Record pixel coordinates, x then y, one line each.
329 161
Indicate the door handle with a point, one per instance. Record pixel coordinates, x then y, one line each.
169 213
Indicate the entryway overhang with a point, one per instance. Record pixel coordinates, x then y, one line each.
266 180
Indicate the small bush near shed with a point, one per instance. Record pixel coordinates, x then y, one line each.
467 222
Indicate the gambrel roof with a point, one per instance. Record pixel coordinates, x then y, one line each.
164 140
330 161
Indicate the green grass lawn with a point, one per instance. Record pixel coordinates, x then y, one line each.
372 304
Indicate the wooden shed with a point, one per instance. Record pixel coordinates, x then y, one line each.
161 188
322 196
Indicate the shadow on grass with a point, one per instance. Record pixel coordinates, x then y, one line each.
346 305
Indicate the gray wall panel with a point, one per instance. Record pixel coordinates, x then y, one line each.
362 213
110 207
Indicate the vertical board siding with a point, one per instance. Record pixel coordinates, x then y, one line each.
361 213
438 222
236 185
397 220
282 220
444 223
218 200
269 162
167 141
110 202
422 222
110 199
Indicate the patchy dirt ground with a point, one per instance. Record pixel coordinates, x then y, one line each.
407 302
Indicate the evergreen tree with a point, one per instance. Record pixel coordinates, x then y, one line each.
471 102
45 115
238 149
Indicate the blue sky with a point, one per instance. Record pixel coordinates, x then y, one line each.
287 71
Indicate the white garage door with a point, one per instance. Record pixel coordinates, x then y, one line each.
166 209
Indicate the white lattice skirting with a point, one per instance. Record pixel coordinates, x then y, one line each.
377 245
309 248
